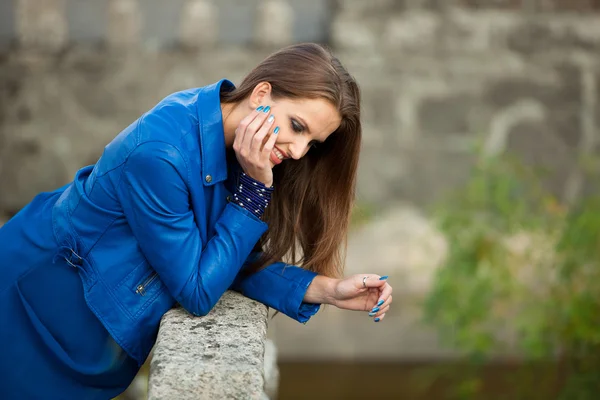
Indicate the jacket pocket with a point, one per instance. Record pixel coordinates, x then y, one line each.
142 287
138 289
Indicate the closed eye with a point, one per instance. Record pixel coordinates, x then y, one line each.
299 128
296 126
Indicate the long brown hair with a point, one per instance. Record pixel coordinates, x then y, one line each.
309 213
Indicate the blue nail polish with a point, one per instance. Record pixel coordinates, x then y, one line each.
267 108
372 314
380 302
276 130
375 309
383 278
377 319
259 108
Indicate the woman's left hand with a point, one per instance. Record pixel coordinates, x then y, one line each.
364 292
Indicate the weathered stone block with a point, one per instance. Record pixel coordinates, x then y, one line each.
8 30
562 6
477 31
87 20
274 24
199 24
124 23
514 5
236 21
351 32
448 115
561 100
561 32
414 30
42 24
161 22
311 20
218 356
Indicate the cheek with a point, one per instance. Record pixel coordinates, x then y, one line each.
283 135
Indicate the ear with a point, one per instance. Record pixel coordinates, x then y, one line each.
261 95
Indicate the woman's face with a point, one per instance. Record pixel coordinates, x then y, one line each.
302 124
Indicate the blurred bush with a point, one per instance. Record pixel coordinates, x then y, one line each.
522 278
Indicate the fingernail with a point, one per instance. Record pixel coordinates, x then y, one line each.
383 278
259 108
372 314
375 309
267 108
380 302
276 130
377 319
271 118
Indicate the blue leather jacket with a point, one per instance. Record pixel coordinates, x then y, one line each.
150 224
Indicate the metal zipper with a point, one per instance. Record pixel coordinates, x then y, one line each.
141 288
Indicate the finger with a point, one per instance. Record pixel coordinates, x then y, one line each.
241 129
371 280
381 305
379 313
259 137
254 126
379 318
270 144
243 126
385 291
377 308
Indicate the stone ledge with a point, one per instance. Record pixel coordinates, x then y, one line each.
218 356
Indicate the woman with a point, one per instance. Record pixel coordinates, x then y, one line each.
176 210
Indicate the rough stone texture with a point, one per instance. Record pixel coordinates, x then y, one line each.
436 79
42 24
218 356
274 23
271 370
199 26
7 23
87 20
124 24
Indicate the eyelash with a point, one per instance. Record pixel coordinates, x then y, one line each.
298 128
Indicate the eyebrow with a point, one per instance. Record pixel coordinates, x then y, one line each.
307 127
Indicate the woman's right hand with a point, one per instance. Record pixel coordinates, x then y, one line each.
251 149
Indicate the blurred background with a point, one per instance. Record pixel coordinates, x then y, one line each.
478 177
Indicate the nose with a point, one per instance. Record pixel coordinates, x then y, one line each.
298 148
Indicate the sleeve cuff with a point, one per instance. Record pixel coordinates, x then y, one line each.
247 213
306 311
296 307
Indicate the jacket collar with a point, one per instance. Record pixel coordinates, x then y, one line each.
212 140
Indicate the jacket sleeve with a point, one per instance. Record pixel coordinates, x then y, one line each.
281 287
155 198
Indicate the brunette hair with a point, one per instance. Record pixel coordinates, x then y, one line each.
310 209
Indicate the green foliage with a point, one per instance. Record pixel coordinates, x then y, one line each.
522 275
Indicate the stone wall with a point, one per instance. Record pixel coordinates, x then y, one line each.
156 24
223 355
437 76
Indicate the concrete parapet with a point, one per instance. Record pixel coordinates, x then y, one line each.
218 356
